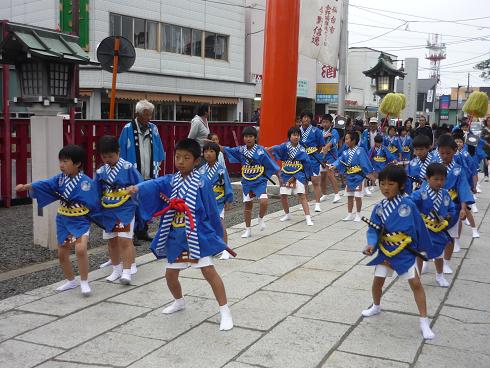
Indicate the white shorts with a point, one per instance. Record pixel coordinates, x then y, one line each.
127 234
87 234
357 193
383 271
300 189
203 262
246 197
222 214
317 173
454 230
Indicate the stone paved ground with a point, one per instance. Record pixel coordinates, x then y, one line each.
296 293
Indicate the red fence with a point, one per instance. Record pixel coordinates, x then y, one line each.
87 132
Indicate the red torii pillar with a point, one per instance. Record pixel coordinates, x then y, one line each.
280 71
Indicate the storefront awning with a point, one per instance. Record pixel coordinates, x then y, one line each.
162 97
197 99
84 92
224 101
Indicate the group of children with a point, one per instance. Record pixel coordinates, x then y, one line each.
425 200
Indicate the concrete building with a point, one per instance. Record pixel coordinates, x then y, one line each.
188 52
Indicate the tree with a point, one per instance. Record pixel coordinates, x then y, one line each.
484 66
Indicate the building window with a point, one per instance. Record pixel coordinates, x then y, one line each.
172 39
139 33
209 45
151 35
164 111
127 28
185 112
114 25
196 42
186 41
216 46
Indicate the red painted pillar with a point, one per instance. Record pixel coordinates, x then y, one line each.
7 149
280 72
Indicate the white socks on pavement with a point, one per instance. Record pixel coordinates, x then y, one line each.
350 216
116 273
368 192
226 320
247 233
134 269
86 291
475 233
225 255
177 305
425 328
441 281
308 220
447 269
457 246
358 217
323 198
286 217
69 284
371 311
106 264
317 207
336 198
126 276
262 223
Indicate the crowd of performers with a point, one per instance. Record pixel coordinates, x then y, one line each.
429 188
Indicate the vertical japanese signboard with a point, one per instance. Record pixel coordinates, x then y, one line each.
66 20
444 102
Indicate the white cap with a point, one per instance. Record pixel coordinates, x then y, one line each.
373 120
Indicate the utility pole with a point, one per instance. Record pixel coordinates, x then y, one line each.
75 30
344 42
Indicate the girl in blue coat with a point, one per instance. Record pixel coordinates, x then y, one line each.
396 224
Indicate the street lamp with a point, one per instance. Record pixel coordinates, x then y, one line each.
384 73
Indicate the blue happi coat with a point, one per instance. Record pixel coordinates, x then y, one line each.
80 191
416 169
220 181
128 146
468 163
295 162
257 165
175 234
354 163
429 201
380 157
331 136
312 140
399 214
406 147
393 144
117 206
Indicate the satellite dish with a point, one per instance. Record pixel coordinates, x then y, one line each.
106 52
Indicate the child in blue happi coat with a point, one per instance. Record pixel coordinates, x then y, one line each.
190 230
438 212
354 162
331 136
396 226
417 166
314 143
459 190
220 180
118 208
405 145
295 172
78 198
379 155
392 143
257 168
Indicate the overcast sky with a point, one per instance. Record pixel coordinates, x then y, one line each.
462 52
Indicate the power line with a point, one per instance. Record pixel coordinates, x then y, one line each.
381 35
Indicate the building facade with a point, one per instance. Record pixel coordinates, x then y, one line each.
188 52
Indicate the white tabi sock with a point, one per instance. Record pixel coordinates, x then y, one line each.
262 223
176 306
425 328
371 311
475 233
441 281
308 220
286 217
317 207
358 217
350 216
247 233
116 273
126 276
134 269
86 291
106 264
447 268
69 284
226 320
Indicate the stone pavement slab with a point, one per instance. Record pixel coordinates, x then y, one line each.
202 346
340 359
303 281
112 348
387 335
276 264
58 364
336 304
156 325
85 325
442 357
16 301
20 354
264 309
16 322
295 342
305 248
334 260
470 294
